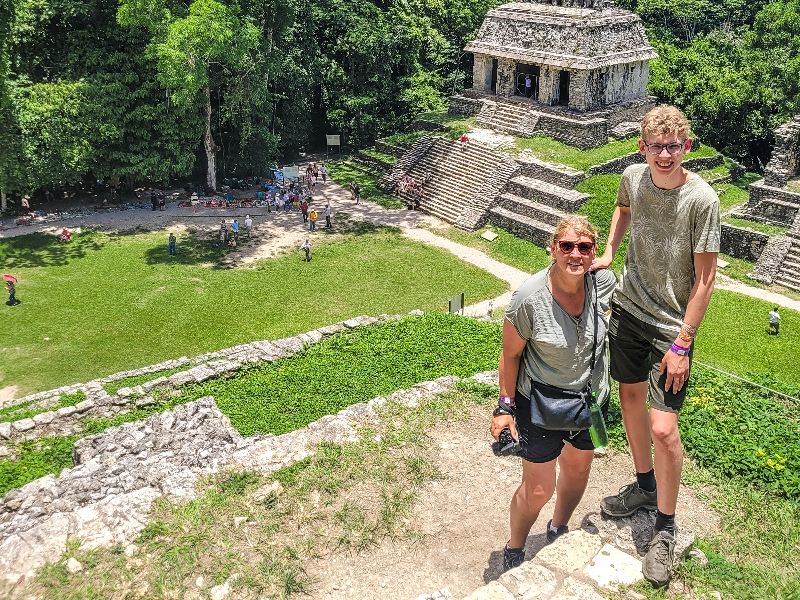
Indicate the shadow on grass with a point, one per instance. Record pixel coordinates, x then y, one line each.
192 250
44 250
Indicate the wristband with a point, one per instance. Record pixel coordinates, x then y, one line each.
501 410
507 401
679 350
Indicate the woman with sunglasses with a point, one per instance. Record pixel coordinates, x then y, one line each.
550 336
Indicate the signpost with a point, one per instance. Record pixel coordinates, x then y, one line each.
334 140
457 304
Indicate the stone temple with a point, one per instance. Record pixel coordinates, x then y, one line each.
573 70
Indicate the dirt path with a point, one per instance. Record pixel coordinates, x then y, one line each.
464 517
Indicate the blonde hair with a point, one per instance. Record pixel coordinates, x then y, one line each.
579 225
665 120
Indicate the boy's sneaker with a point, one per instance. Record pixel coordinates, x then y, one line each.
552 535
628 501
512 557
657 564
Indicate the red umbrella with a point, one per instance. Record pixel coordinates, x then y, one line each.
10 278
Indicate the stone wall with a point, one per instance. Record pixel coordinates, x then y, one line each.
742 243
463 105
425 125
390 149
785 161
561 176
580 134
100 404
771 205
617 165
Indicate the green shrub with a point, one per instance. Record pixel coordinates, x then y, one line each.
738 430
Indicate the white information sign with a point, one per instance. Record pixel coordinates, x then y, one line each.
333 140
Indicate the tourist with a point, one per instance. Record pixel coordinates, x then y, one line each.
172 242
223 232
304 210
553 346
306 247
316 172
464 141
670 265
312 220
195 201
774 321
235 229
162 201
323 169
327 216
153 199
12 293
353 189
357 192
527 86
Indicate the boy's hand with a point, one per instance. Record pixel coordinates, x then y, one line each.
677 368
602 262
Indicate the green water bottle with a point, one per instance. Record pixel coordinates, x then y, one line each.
598 427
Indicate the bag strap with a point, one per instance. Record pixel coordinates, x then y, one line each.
594 343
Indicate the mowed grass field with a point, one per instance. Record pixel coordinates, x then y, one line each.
108 302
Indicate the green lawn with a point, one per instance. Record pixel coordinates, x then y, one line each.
343 172
734 338
109 302
553 151
507 248
756 226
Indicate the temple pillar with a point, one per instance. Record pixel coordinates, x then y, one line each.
482 73
505 76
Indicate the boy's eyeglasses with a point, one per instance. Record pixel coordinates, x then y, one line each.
659 148
585 248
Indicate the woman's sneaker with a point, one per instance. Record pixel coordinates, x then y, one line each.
552 534
657 564
512 557
628 501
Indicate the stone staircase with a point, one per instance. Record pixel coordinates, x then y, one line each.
535 200
511 117
789 271
458 180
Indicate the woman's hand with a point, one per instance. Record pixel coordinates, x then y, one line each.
501 422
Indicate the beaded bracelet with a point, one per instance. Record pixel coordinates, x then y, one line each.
685 337
688 329
679 350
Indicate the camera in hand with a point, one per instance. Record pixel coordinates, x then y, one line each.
506 445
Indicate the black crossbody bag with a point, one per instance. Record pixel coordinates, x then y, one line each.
565 410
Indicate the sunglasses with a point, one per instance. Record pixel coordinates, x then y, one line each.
585 248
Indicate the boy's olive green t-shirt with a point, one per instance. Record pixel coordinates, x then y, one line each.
668 227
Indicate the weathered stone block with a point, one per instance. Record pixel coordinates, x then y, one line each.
575 590
181 378
5 430
44 418
23 424
571 551
82 407
201 373
611 567
530 581
493 591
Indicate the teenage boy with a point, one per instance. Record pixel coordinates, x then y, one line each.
668 277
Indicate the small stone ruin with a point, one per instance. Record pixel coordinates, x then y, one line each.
575 71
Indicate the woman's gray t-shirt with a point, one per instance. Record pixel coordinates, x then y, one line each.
559 346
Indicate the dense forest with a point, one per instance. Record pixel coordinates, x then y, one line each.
139 90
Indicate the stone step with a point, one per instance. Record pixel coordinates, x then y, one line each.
792 284
529 208
559 175
547 193
524 227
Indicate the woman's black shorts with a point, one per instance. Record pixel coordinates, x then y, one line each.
543 445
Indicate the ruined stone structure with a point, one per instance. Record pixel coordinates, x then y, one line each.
772 202
587 63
